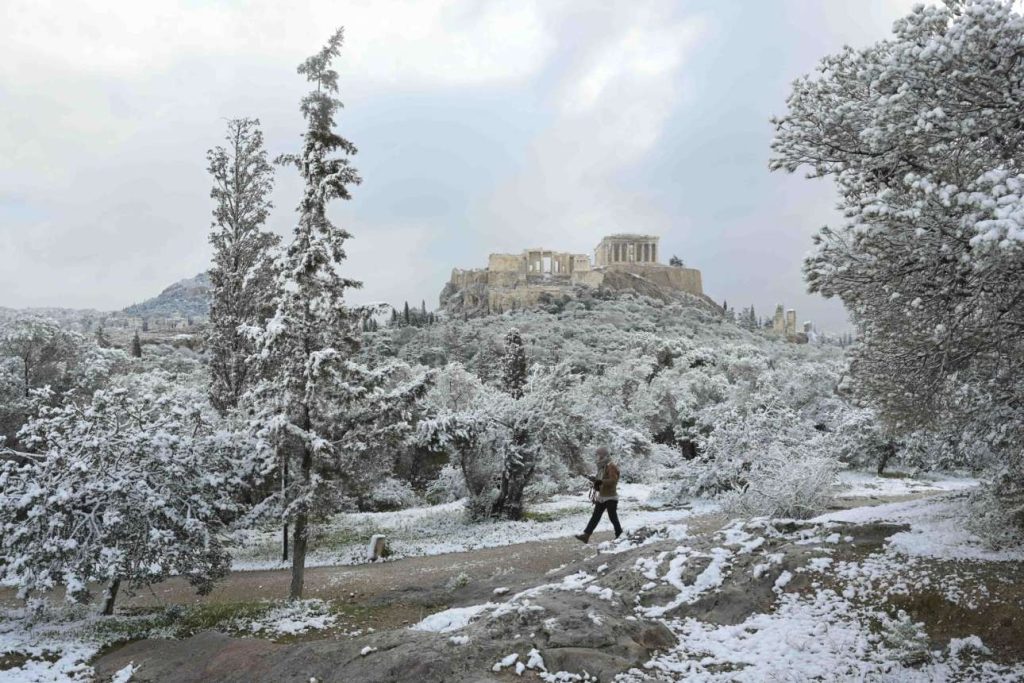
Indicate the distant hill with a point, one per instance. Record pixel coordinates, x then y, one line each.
188 297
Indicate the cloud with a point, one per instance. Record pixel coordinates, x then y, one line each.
483 125
613 98
390 41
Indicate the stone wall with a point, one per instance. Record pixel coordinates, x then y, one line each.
504 263
670 277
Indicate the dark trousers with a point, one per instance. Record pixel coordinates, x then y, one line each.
612 506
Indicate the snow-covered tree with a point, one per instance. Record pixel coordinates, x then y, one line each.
43 351
125 488
309 339
922 135
242 276
513 365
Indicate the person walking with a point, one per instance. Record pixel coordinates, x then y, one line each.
604 494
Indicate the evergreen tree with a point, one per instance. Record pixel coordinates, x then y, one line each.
405 314
136 346
241 279
311 336
520 455
513 365
101 337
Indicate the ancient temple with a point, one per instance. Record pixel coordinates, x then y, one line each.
626 248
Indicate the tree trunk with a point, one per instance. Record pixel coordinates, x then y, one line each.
520 462
110 597
887 452
284 487
301 519
298 557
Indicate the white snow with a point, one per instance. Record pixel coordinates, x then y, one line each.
857 484
453 619
441 529
291 618
505 662
709 579
125 674
937 529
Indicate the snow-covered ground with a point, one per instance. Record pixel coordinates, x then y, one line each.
805 635
841 629
839 626
937 529
856 484
440 529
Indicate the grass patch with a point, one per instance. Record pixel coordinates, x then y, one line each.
339 537
999 622
896 474
13 660
217 615
543 516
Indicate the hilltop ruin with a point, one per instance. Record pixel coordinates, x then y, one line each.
533 277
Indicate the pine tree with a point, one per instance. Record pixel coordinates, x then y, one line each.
136 346
405 314
242 278
312 333
520 456
101 337
513 365
675 261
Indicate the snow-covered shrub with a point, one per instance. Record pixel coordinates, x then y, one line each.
783 483
449 485
128 486
391 494
741 437
460 580
908 640
997 512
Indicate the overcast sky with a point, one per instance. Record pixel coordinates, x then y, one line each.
481 127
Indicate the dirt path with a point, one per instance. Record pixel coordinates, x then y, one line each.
394 593
391 594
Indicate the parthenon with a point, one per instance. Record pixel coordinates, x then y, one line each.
626 249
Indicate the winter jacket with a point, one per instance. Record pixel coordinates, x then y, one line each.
607 483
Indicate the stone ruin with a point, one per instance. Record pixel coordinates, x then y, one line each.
534 277
784 325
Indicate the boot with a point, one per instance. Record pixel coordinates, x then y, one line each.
585 537
618 533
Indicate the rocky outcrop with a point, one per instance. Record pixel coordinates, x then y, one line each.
482 292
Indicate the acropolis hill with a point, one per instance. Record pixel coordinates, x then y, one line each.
622 263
